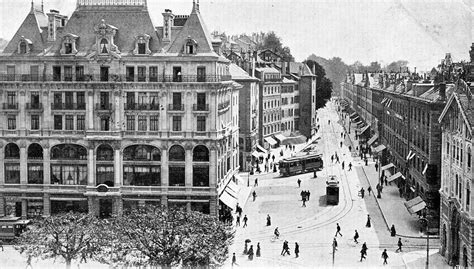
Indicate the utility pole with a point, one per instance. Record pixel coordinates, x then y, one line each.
333 251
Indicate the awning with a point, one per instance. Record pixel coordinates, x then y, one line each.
233 188
412 189
271 141
294 140
255 154
353 115
364 129
356 118
379 148
385 167
359 122
424 170
372 139
411 156
228 199
414 205
280 137
393 177
409 153
262 149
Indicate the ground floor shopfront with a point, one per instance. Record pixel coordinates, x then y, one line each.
100 204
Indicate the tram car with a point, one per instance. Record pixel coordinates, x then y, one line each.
301 164
332 191
11 227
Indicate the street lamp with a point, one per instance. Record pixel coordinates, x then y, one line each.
427 242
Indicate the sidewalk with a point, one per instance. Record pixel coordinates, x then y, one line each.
391 205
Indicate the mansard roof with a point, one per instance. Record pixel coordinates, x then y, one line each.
130 21
195 29
30 29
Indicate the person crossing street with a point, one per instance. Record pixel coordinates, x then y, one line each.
384 256
338 230
356 236
245 221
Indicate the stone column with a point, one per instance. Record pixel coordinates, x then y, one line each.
213 206
90 110
24 208
2 164
46 205
213 168
22 107
118 206
188 166
91 168
117 168
164 169
46 166
2 206
116 105
23 163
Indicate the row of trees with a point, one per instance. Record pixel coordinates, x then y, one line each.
148 236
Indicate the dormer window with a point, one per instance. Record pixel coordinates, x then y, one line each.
69 44
104 46
190 46
142 45
24 45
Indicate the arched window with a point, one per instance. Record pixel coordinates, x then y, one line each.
68 152
35 151
105 153
23 47
200 154
141 153
191 46
469 158
176 154
104 46
12 151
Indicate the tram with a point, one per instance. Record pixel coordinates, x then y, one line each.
11 227
301 164
332 191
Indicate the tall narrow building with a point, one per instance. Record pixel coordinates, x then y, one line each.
104 111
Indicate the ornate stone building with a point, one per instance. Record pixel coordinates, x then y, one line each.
457 123
104 111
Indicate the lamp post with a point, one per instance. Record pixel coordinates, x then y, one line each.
427 242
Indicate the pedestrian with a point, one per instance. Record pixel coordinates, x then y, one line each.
28 262
376 167
393 232
350 148
363 251
308 193
276 233
256 182
356 236
269 220
237 222
297 249
250 253
332 158
334 243
338 230
304 201
299 182
257 253
302 194
386 181
400 244
384 256
350 166
285 248
273 157
366 161
329 122
254 194
368 224
362 192
337 159
342 165
340 144
369 189
245 221
234 260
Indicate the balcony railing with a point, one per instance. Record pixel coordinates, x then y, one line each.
176 107
34 106
113 78
137 106
200 107
106 106
67 106
10 106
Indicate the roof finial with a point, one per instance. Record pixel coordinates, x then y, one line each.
32 5
42 6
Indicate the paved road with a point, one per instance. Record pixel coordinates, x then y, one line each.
314 226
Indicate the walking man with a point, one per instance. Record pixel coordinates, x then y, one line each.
350 166
237 222
342 165
369 189
269 220
384 256
400 244
234 260
332 158
337 159
254 194
363 251
368 224
297 249
334 243
362 193
304 201
340 144
376 167
299 182
356 236
338 230
245 221
256 182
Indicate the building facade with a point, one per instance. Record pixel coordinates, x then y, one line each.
457 122
104 111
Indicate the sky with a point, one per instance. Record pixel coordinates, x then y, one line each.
419 31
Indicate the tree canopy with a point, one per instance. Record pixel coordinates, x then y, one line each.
273 42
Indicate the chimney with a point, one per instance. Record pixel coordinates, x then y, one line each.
55 20
283 68
442 91
314 69
168 18
216 46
